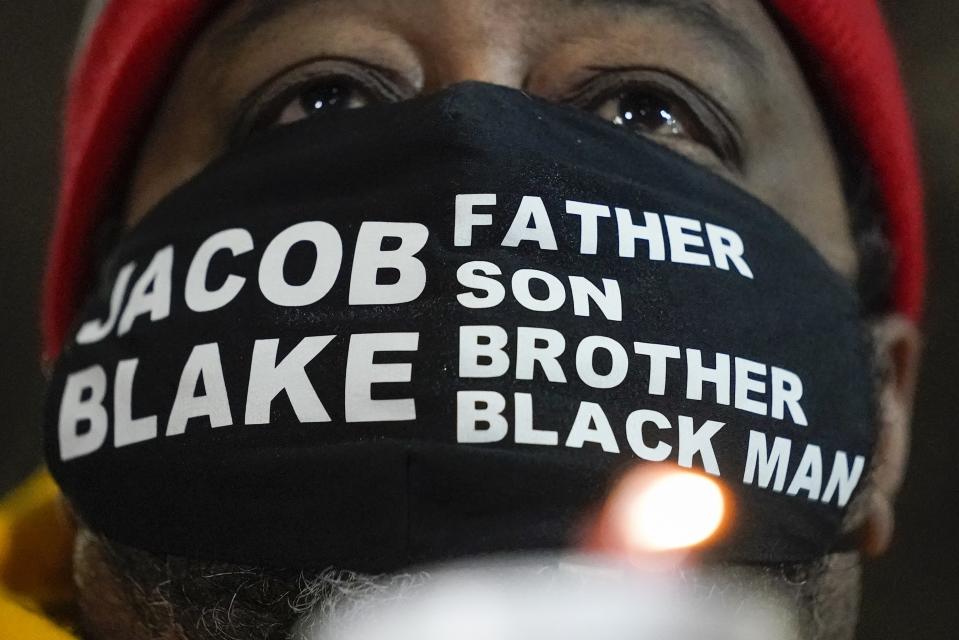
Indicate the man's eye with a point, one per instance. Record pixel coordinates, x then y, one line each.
322 96
313 89
647 112
663 107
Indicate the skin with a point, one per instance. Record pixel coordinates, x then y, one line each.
548 48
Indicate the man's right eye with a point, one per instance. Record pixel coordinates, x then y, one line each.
312 90
323 96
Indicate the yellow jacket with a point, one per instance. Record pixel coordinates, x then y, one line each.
36 540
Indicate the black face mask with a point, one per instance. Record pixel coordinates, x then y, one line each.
441 328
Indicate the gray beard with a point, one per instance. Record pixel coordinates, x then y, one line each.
180 598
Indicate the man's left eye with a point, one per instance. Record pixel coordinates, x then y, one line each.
646 112
321 96
313 89
663 107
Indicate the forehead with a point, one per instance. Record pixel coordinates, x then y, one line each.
730 48
721 20
739 29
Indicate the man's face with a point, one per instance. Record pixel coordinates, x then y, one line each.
712 79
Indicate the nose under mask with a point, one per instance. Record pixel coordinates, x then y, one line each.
444 327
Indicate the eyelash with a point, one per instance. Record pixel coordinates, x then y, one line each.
722 136
712 127
265 103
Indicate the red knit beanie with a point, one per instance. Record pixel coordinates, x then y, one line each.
136 45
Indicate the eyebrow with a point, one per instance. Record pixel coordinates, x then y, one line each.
701 15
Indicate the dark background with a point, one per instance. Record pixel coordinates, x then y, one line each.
912 593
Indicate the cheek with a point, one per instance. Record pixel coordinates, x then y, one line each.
179 145
103 609
794 170
152 182
836 597
185 134
791 161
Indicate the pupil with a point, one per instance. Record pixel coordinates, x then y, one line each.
645 110
324 96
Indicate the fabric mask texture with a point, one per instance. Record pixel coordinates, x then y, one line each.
441 328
